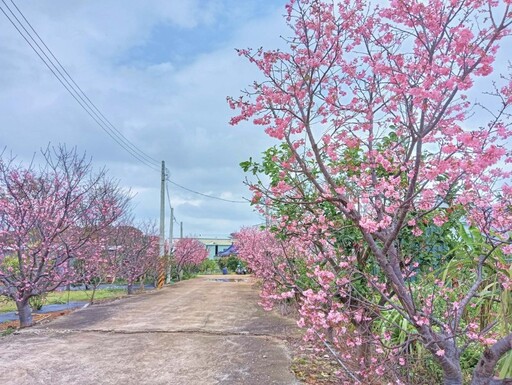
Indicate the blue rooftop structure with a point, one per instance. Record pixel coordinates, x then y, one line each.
231 250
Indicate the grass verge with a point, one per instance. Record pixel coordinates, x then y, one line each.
62 297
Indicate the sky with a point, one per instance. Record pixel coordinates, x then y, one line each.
160 71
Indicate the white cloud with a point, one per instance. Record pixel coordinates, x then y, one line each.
172 110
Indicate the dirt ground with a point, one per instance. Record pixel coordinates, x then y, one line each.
202 331
38 318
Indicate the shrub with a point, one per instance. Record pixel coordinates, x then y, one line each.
208 266
37 301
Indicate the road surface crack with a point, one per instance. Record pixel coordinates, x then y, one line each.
222 333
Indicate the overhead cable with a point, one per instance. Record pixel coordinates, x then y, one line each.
62 75
66 80
204 195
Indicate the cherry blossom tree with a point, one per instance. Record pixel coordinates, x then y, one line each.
382 130
276 262
135 251
95 264
188 253
47 216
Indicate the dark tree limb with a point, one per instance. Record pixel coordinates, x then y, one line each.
484 370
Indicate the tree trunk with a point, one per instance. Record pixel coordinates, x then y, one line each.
491 381
445 352
130 288
92 294
486 367
450 363
24 313
364 352
455 380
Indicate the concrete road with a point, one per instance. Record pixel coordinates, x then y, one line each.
196 332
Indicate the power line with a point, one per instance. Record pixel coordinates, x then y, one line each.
169 200
202 194
168 196
66 80
121 136
73 89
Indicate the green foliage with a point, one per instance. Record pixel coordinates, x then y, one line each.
7 304
62 297
37 301
208 266
435 246
188 274
446 255
8 331
505 366
233 262
456 271
222 262
9 261
303 280
268 165
420 367
83 295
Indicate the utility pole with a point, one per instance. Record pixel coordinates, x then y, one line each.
161 270
181 229
171 228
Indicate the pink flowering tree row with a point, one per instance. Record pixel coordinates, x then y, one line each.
276 262
94 265
188 254
124 250
48 216
383 130
134 252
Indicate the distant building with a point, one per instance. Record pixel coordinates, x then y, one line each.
231 250
215 246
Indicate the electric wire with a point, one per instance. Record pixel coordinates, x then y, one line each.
112 132
119 134
204 195
169 202
169 199
79 96
168 196
168 173
85 102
